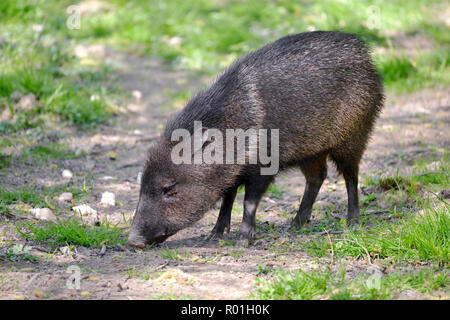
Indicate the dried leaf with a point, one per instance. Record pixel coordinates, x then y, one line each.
39 294
112 155
92 278
174 276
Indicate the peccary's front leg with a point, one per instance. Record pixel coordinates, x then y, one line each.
223 221
254 190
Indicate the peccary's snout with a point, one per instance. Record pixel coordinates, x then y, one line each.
143 233
135 239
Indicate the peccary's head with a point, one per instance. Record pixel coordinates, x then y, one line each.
172 196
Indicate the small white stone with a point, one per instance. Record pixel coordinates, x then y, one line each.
65 197
38 28
137 95
423 110
332 187
84 209
67 174
269 200
108 198
175 41
43 214
106 178
65 250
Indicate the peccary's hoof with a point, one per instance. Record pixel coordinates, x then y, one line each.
353 222
297 224
136 245
246 236
213 236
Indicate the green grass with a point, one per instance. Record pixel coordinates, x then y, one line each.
424 236
143 274
19 252
275 191
41 197
38 145
72 231
293 286
50 151
4 161
439 175
323 284
432 173
418 225
172 255
66 88
190 34
407 74
23 194
29 194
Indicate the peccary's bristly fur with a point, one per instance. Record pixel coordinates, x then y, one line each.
323 93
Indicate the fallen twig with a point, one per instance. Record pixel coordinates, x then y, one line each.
161 266
375 212
326 232
104 150
17 216
364 248
331 246
131 164
43 249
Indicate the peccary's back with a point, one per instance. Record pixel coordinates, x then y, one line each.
318 88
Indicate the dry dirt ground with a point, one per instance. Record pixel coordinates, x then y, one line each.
411 126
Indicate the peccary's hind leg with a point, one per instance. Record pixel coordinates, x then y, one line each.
351 182
255 187
315 171
347 158
223 221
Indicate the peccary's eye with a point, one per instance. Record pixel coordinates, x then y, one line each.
169 190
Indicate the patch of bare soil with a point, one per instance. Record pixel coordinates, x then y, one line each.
187 266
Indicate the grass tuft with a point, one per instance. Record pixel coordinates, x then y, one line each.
323 284
72 231
424 236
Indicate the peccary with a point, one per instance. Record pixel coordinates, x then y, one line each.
319 89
